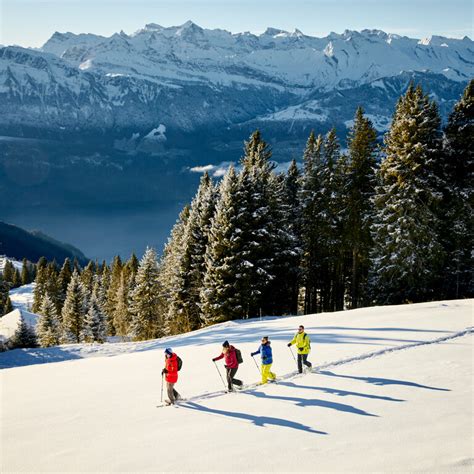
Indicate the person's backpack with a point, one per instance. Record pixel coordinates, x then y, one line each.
180 363
238 354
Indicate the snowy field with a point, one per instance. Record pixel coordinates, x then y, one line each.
391 391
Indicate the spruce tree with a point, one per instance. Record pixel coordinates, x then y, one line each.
186 276
122 313
456 211
146 306
311 183
48 330
8 307
407 254
360 189
9 273
25 272
87 276
167 269
40 288
74 310
64 278
114 282
94 329
24 337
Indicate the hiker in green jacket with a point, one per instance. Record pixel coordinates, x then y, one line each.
303 345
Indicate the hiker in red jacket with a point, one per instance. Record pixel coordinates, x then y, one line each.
171 372
231 365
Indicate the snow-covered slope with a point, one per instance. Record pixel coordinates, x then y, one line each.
10 322
188 77
392 392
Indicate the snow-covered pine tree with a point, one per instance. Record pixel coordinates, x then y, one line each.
281 295
456 211
311 265
122 313
87 276
41 287
47 329
407 254
222 294
24 337
359 190
115 275
256 194
167 268
74 310
8 307
64 278
186 276
94 329
146 305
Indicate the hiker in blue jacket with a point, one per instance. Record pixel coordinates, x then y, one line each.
265 351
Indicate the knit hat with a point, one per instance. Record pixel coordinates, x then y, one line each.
226 344
168 351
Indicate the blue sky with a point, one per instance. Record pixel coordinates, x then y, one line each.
32 22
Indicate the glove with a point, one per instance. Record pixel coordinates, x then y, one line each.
289 344
164 371
252 354
213 360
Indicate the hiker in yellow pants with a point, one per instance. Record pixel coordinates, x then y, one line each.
265 351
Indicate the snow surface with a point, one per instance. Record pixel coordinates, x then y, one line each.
393 393
22 297
9 322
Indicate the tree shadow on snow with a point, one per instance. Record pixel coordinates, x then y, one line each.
382 381
256 420
341 393
23 357
309 402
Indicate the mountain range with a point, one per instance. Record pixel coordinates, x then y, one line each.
132 115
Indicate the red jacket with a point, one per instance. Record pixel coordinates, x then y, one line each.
171 365
230 358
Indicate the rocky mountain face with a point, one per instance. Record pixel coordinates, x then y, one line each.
188 78
114 127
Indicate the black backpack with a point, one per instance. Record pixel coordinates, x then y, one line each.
180 363
238 354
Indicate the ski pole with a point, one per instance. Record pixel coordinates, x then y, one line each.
292 353
217 368
256 365
162 378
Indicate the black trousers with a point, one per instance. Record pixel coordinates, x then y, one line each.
303 359
230 377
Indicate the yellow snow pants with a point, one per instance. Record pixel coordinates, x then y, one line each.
266 374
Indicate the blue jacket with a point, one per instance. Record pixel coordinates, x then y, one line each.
266 352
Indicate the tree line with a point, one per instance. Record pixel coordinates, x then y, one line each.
386 223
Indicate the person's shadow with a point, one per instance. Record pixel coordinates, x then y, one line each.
382 381
255 419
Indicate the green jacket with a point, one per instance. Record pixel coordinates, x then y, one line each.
302 343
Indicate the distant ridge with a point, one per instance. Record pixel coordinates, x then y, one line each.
19 243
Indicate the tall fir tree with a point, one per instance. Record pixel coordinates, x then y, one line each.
222 295
114 282
311 263
47 329
167 269
146 306
64 278
407 255
359 190
122 312
74 310
8 273
186 276
94 328
456 212
25 272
